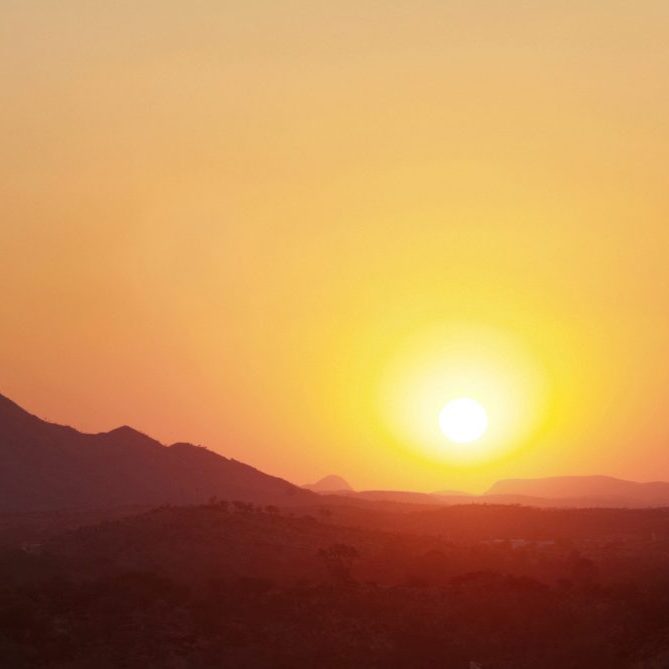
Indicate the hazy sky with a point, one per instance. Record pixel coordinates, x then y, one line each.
290 230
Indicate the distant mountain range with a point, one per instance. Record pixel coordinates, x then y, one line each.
44 466
597 490
549 492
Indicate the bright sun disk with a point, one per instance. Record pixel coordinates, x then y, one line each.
463 420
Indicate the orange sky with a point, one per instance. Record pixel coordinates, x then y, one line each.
270 227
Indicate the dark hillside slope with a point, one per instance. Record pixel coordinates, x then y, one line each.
225 541
46 467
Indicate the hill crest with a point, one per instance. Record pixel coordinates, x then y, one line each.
44 466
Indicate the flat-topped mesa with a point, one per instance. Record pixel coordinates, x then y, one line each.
593 487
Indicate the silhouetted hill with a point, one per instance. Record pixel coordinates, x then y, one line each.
241 540
224 540
585 490
235 585
44 466
331 483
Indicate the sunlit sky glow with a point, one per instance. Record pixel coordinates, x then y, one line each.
272 228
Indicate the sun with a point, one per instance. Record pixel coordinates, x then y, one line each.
465 395
463 420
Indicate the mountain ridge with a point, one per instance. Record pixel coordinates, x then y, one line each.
594 487
45 466
619 493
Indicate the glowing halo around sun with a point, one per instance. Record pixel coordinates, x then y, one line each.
462 395
463 420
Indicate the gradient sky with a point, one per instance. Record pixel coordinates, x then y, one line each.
272 228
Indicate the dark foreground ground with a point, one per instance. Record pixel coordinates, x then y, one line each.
232 585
